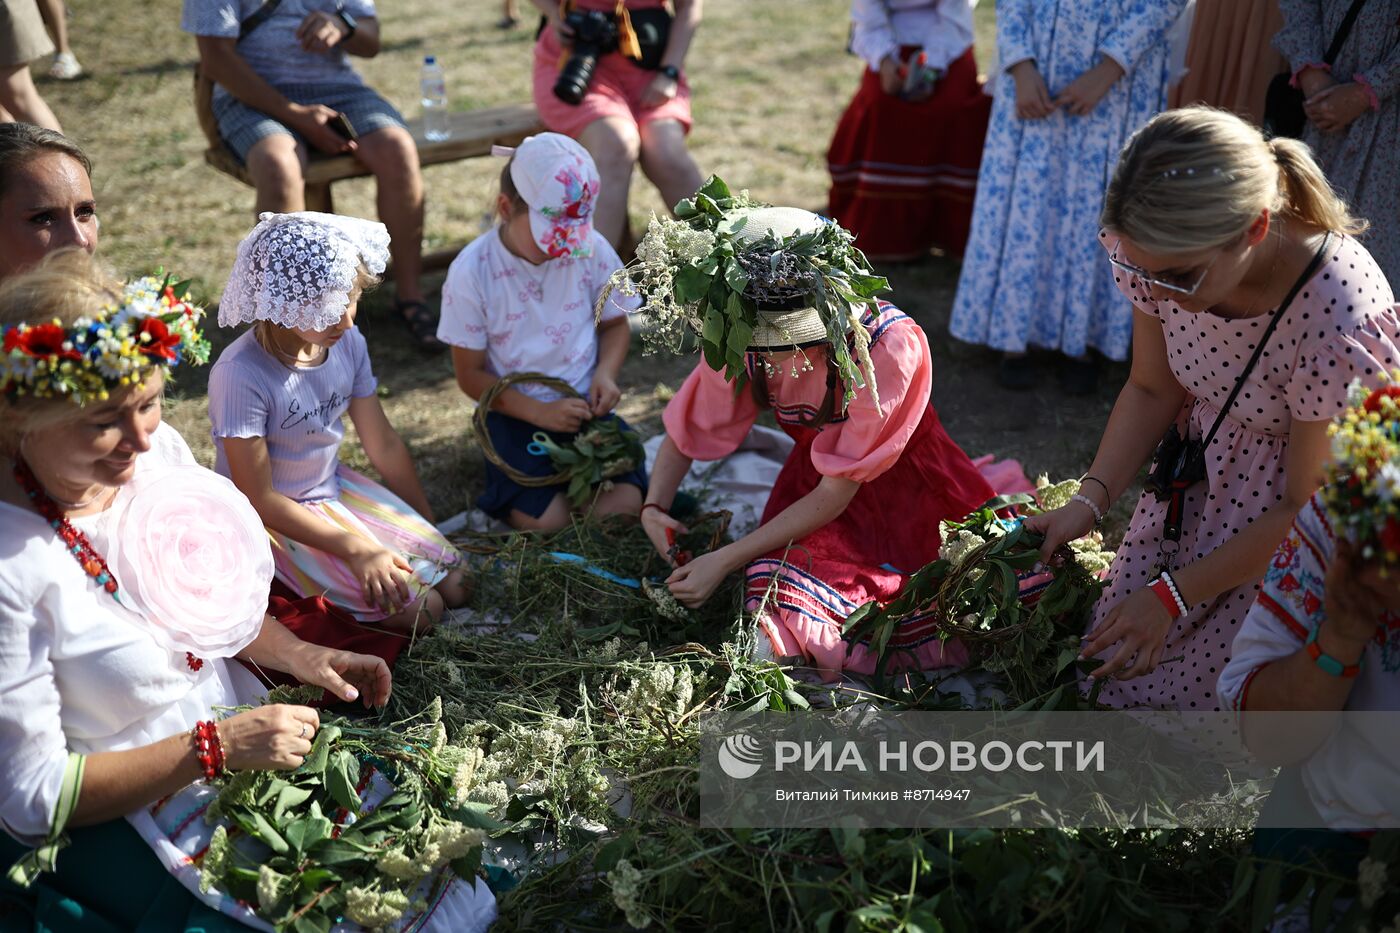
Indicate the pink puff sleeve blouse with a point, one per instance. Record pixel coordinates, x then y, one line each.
872 437
708 420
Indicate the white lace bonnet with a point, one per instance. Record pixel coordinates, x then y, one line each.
298 269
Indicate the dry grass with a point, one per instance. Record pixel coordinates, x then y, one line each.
770 82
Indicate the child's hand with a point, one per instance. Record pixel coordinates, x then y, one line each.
566 415
383 576
891 81
662 529
696 581
603 395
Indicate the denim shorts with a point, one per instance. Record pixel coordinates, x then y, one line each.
241 126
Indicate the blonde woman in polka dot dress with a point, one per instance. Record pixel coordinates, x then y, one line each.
1209 226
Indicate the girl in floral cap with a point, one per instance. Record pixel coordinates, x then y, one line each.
276 399
520 299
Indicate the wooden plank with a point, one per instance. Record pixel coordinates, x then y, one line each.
473 133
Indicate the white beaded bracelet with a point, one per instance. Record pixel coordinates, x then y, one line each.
1098 514
1176 593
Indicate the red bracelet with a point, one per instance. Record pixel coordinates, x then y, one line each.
209 749
652 505
1164 595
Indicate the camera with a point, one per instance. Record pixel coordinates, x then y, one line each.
595 35
1178 460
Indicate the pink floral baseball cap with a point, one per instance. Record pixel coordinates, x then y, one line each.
558 180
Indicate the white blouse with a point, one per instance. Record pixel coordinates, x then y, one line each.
78 672
942 28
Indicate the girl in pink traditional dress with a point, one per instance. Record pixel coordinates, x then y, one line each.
1242 269
858 502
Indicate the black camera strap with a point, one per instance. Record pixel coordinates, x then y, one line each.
1176 503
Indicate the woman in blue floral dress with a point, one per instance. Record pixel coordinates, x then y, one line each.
1077 79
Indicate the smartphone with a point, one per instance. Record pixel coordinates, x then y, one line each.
341 124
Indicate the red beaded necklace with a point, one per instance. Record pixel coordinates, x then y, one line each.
93 564
78 544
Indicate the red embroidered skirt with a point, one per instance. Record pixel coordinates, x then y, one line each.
889 529
903 175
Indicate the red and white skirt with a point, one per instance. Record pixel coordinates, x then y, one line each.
904 174
801 596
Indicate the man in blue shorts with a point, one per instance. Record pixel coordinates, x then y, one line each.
283 81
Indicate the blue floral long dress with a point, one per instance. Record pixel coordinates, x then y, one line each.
1033 273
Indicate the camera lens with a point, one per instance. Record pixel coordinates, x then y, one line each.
572 83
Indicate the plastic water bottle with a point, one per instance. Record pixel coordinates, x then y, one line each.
434 93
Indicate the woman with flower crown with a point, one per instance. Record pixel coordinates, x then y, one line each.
131 579
856 506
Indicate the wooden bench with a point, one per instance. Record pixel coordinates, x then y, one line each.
471 134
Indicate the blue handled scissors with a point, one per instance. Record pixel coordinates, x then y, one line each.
536 445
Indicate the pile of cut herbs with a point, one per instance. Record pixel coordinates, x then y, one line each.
600 451
1023 626
577 716
307 849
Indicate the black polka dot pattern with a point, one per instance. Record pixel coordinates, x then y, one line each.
1342 325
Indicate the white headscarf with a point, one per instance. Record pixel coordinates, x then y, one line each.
298 270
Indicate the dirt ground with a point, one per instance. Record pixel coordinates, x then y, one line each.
770 80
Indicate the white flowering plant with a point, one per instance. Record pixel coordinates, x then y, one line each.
986 591
309 847
697 273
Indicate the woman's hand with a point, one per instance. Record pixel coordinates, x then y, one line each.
562 32
891 82
1032 96
1353 602
1060 527
693 583
383 575
269 738
1085 92
1334 108
603 395
655 523
350 676
1311 81
659 91
1141 623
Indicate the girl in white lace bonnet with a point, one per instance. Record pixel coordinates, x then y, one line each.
277 396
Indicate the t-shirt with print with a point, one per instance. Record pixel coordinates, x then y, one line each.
272 49
527 317
297 410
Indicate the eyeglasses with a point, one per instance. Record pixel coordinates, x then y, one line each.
1175 284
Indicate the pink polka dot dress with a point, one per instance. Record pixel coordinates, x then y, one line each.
1342 325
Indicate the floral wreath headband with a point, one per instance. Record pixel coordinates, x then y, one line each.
152 323
1362 493
706 272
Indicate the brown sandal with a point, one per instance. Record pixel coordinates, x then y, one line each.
418 317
